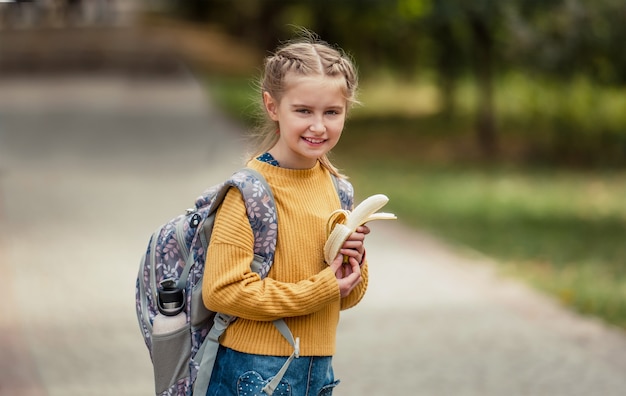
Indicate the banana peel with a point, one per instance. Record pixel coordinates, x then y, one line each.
342 223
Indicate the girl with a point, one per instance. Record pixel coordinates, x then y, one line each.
307 89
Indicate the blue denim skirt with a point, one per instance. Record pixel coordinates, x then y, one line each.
242 374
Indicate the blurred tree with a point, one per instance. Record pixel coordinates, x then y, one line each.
465 34
454 38
549 36
449 51
564 38
482 17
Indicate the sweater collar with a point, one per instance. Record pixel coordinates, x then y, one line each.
268 168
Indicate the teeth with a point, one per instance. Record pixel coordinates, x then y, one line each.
314 141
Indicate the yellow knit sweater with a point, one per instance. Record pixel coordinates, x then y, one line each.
300 287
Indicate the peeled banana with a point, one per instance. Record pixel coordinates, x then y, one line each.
342 223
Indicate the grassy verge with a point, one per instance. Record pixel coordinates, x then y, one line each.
560 230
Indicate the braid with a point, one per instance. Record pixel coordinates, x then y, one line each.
309 59
285 61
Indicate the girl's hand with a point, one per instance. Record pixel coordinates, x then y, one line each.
348 273
353 247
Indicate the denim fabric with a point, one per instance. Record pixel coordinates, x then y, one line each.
241 374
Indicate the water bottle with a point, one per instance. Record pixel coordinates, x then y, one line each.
171 302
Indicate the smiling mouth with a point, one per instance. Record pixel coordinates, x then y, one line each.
314 141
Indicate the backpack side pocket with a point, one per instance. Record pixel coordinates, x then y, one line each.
168 371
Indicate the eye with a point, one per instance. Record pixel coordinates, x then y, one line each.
303 111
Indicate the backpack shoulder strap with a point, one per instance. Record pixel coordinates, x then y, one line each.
345 191
261 209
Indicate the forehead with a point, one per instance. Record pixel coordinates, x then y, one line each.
319 84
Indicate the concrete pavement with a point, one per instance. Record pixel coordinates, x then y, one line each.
90 166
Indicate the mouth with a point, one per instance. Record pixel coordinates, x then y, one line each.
314 141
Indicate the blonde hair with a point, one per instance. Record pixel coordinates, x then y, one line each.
306 56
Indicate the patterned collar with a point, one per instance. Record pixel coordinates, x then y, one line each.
267 157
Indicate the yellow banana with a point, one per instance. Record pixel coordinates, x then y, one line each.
342 223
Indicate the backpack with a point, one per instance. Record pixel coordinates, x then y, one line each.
183 359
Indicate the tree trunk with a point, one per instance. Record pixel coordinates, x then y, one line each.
485 117
447 68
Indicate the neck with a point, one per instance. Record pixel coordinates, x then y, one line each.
291 163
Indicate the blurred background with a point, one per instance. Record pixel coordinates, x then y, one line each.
498 126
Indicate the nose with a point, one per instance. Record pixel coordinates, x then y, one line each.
318 125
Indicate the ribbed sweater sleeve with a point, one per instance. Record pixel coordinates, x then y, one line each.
300 287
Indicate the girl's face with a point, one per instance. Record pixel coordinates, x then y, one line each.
310 115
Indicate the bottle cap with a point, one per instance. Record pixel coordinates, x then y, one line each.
171 299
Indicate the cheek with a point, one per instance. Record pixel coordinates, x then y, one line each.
293 122
337 127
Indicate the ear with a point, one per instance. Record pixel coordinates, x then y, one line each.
271 106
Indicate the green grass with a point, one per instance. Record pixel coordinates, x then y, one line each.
561 230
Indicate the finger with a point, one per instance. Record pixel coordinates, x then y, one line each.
354 265
352 280
337 263
353 243
347 271
363 229
356 236
353 254
352 246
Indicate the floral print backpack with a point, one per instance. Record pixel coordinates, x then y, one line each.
183 358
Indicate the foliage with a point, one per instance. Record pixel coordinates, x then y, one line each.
570 38
561 41
560 37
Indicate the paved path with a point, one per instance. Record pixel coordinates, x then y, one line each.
90 166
